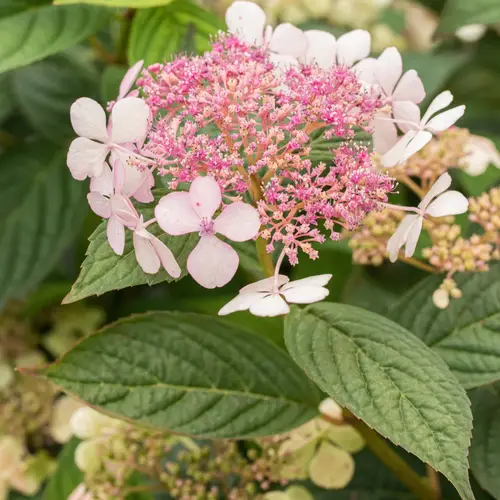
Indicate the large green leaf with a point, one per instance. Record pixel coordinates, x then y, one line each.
188 373
36 33
7 104
103 270
133 4
159 33
459 13
41 209
45 91
388 378
485 449
67 475
466 334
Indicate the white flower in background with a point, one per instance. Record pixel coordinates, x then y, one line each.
441 298
60 424
128 125
247 20
213 262
271 296
419 131
480 152
87 423
471 32
436 203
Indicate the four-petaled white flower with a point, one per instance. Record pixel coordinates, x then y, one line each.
480 152
271 296
419 131
212 263
436 203
128 125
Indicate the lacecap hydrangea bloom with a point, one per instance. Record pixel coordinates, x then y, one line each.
233 133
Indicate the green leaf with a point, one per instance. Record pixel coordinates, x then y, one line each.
188 373
133 4
34 34
67 475
41 210
459 13
388 378
7 104
110 82
45 91
103 270
157 34
485 448
475 185
467 333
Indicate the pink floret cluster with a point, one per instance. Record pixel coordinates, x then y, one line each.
232 115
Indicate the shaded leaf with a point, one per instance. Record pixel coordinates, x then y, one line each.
459 13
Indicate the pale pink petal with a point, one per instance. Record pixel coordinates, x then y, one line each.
86 158
479 153
145 254
398 239
318 280
80 493
306 294
241 302
124 210
321 48
404 112
167 258
104 183
247 20
144 194
130 78
385 134
413 236
440 186
449 203
133 179
441 101
445 120
282 62
238 222
99 204
397 153
389 69
353 46
420 140
212 263
409 88
205 196
272 305
89 119
288 40
176 216
265 285
115 231
365 70
130 120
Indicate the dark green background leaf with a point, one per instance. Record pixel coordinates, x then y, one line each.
459 13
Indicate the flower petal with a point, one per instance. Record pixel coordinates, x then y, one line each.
167 258
441 101
321 49
449 203
124 211
389 69
115 232
130 78
331 467
89 119
86 158
130 120
397 153
440 186
413 236
269 306
205 196
241 302
365 70
318 280
406 111
104 183
282 62
144 194
385 134
445 120
353 46
175 215
212 263
238 222
420 140
247 20
99 204
305 294
145 254
265 285
288 40
398 239
409 88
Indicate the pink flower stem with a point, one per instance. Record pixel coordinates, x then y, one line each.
277 269
400 207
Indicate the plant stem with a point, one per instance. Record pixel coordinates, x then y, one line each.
126 23
264 258
433 479
419 264
391 459
100 50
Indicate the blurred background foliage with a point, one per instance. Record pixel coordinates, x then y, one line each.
52 54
